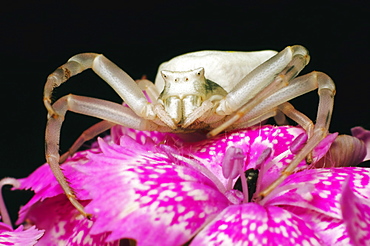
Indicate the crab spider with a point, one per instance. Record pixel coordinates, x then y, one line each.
212 90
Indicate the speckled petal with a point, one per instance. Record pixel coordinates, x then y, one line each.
254 141
45 185
252 224
356 212
142 137
63 224
315 196
317 189
148 186
331 231
151 199
19 236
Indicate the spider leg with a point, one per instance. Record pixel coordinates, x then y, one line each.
149 90
241 123
280 118
279 113
87 135
297 116
259 84
120 81
326 91
297 87
268 107
201 113
301 119
109 111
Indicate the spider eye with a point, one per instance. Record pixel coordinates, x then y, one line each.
164 74
199 71
186 79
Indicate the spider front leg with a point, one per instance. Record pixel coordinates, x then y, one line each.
136 117
277 101
269 86
120 81
109 111
87 135
326 91
151 93
268 78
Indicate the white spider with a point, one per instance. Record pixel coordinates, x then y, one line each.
212 90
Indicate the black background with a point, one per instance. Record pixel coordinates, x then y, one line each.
36 38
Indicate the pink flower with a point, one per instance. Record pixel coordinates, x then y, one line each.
158 189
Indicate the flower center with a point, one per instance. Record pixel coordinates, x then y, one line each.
233 166
251 176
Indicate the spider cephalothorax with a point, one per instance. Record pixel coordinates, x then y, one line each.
184 92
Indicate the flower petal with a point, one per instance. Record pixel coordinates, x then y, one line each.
252 224
318 189
63 224
155 199
142 137
19 236
356 213
150 186
315 196
44 184
253 142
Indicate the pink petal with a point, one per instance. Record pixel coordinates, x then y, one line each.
153 194
63 224
252 224
142 137
331 231
253 142
315 196
155 199
45 185
356 211
322 148
19 236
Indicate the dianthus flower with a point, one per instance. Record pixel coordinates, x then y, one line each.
158 189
